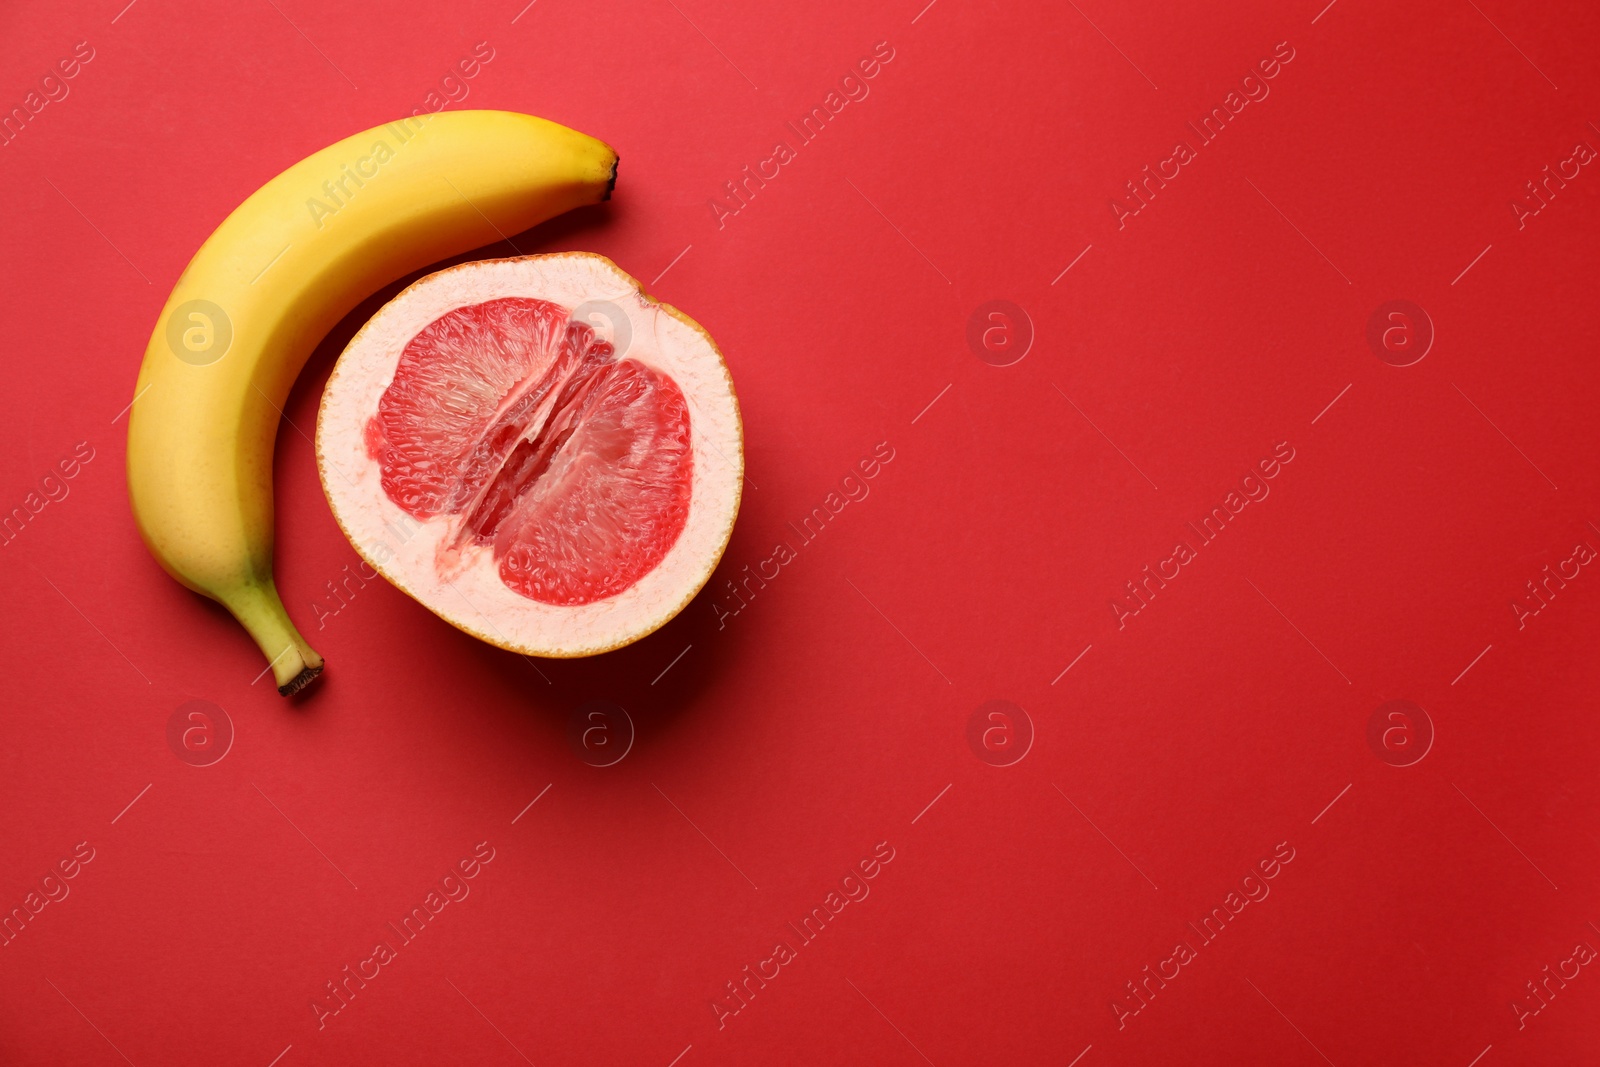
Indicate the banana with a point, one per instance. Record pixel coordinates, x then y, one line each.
258 296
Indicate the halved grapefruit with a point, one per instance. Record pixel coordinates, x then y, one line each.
536 451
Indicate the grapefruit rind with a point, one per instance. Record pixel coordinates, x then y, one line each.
474 599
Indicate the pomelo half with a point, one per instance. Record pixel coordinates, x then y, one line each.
536 451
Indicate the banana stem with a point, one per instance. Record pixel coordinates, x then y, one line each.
294 663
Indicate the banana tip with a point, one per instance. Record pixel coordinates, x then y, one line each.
611 183
306 676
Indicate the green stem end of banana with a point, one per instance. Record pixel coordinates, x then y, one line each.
293 662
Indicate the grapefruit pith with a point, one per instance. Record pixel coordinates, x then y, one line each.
535 450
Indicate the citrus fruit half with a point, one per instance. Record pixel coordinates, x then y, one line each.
536 451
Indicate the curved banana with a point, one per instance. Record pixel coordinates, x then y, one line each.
258 296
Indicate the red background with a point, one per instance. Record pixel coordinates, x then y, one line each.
780 749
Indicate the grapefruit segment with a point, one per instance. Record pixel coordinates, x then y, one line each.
453 378
507 466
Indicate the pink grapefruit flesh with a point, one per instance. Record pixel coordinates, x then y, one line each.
574 465
553 485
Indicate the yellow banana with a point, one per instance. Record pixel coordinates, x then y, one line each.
258 296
